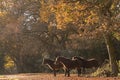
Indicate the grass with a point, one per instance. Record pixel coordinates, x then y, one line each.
43 76
104 71
98 75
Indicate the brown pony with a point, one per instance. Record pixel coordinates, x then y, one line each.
69 64
89 63
52 66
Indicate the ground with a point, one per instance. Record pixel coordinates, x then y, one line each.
45 76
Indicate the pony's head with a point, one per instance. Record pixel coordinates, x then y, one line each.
45 61
74 58
58 59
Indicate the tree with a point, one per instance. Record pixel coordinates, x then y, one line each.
90 18
16 23
32 29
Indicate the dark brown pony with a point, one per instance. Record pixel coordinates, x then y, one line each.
89 63
69 64
52 66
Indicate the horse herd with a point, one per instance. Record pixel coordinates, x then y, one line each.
78 63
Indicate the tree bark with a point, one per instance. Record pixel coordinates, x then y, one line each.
112 55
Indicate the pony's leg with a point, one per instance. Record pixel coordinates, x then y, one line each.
54 72
68 73
79 72
65 72
84 71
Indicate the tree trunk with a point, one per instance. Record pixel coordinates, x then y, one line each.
112 55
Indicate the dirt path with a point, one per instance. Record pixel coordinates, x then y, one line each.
40 76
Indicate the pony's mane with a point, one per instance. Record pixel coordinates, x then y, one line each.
48 60
91 59
63 57
81 57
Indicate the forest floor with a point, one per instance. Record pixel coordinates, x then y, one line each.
45 76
